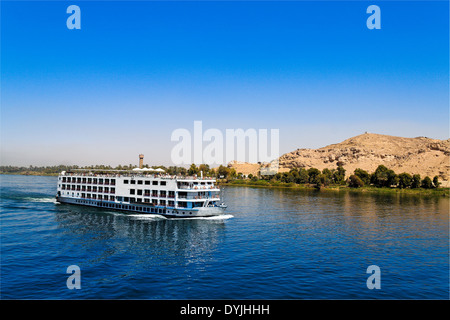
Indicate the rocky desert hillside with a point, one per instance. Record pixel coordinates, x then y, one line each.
425 156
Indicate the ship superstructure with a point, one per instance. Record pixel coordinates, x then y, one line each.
141 191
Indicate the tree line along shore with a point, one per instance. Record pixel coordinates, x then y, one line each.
382 179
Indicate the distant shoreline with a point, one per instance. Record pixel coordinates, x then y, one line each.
442 191
336 188
30 174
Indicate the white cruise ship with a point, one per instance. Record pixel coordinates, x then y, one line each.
141 191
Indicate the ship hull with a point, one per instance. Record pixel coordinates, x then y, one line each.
145 209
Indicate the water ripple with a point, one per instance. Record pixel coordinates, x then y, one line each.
271 244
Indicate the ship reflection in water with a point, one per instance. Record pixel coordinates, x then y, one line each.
145 240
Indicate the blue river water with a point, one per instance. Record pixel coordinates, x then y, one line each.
271 244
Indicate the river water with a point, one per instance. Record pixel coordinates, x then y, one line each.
271 244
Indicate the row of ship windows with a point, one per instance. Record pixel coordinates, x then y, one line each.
112 181
123 206
88 188
154 193
125 199
97 197
89 180
147 182
129 207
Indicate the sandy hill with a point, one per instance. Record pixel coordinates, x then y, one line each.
245 167
425 156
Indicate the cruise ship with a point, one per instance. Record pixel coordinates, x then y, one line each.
141 191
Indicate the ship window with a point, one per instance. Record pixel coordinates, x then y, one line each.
163 183
132 191
155 183
139 192
125 181
139 181
133 181
147 181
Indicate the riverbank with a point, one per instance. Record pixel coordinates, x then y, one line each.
291 185
364 189
30 174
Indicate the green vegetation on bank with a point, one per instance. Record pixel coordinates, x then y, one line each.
271 184
36 171
172 170
381 180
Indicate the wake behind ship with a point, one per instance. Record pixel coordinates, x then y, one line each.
141 191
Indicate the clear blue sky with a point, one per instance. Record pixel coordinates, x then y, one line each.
137 71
